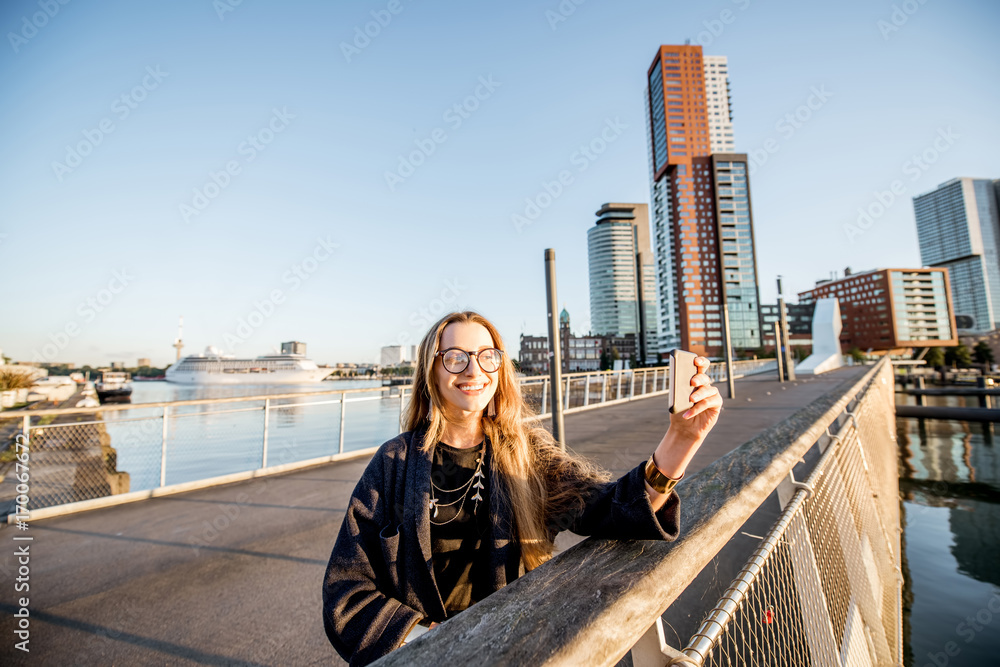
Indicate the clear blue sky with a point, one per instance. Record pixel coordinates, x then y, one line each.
344 120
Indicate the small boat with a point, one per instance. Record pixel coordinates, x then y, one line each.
114 386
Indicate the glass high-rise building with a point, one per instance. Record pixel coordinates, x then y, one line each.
722 182
701 224
958 227
621 266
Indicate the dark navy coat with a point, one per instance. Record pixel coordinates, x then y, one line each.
380 579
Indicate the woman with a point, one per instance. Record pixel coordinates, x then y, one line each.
472 495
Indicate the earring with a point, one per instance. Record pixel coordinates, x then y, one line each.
492 409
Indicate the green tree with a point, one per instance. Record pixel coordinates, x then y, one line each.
857 355
605 360
934 357
958 356
983 352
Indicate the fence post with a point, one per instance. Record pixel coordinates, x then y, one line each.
163 447
631 390
586 390
545 391
402 390
25 430
655 373
566 405
618 392
263 454
343 413
604 387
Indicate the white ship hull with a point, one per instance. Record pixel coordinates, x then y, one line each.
277 377
211 368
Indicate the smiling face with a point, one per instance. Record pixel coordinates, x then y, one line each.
471 390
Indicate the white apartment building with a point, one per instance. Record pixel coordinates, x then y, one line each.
717 100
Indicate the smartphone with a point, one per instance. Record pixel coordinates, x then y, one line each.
682 369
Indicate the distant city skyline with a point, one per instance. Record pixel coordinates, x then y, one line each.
277 173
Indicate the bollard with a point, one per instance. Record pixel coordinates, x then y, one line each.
985 400
778 353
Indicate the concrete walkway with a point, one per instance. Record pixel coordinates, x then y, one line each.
232 575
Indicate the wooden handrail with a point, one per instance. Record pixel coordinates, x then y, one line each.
594 601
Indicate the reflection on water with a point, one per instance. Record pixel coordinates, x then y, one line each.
950 486
221 438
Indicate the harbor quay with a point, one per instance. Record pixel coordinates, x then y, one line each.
231 574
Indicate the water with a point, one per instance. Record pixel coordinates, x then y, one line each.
217 439
158 391
950 486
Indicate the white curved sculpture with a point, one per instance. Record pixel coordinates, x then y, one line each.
826 328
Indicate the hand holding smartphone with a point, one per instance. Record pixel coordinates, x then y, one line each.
686 433
682 369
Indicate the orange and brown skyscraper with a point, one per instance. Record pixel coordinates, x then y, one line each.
700 209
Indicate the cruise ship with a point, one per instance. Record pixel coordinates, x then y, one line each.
213 367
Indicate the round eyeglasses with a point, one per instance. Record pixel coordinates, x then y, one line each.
456 360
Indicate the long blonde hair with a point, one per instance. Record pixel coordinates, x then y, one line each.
541 480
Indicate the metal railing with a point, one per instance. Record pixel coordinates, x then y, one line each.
585 390
823 588
825 585
118 452
131 451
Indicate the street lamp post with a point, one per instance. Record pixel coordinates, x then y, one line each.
555 354
785 338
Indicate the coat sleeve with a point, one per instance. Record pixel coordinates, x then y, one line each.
620 510
362 618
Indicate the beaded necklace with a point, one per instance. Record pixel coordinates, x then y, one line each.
476 477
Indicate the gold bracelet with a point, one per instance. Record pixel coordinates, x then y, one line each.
657 480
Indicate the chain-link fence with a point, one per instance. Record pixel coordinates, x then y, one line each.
824 587
73 462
